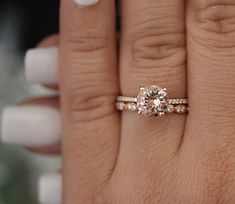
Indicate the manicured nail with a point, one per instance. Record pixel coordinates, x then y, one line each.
35 126
41 65
86 3
50 189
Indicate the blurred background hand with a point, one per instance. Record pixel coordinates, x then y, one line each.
22 25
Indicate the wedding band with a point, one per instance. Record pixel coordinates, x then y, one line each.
152 101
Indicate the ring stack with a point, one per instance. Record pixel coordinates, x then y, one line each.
152 101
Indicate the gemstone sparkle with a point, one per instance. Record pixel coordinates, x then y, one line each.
152 101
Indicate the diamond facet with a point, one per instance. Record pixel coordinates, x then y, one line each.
152 101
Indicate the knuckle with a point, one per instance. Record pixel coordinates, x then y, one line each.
217 22
90 101
161 51
152 45
86 38
151 49
88 44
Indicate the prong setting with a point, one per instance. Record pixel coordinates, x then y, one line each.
152 101
141 88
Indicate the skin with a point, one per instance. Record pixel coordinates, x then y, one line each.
124 158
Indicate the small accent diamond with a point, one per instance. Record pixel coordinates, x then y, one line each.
170 108
181 109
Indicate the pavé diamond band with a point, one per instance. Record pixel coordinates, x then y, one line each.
152 101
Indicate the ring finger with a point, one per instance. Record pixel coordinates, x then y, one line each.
152 53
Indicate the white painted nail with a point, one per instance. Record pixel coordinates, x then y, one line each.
41 65
35 126
86 3
50 189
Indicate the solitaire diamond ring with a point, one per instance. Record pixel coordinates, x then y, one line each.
152 101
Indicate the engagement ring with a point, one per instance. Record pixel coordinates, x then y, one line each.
152 101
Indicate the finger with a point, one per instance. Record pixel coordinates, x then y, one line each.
89 86
36 124
51 40
153 53
211 60
41 63
48 150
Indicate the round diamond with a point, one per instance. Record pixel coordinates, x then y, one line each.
152 101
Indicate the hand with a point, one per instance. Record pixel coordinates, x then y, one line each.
128 158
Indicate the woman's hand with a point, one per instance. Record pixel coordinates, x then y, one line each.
187 47
128 158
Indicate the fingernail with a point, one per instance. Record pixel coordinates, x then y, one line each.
41 65
86 3
50 189
35 126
